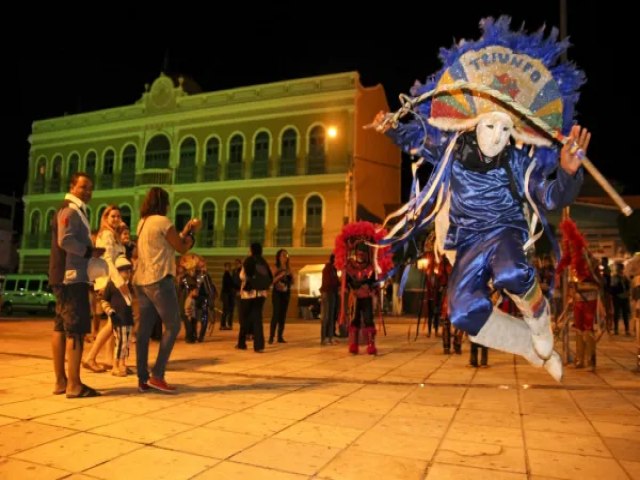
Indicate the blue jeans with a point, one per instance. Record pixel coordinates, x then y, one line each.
158 300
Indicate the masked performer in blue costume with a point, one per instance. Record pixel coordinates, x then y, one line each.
491 177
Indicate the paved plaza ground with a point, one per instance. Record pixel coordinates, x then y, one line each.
305 411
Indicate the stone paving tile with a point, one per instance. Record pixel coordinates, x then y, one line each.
302 458
151 463
627 449
558 402
488 419
251 424
141 429
23 435
83 418
33 408
489 456
389 441
491 399
231 471
11 468
347 418
569 466
555 423
443 471
590 445
139 403
632 468
316 433
356 464
78 452
6 420
508 437
191 414
209 443
617 430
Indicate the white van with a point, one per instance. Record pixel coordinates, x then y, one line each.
27 292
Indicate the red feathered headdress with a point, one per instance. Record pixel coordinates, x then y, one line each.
362 231
574 251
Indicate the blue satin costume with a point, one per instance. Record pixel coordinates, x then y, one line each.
488 229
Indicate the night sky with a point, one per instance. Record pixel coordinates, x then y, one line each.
105 60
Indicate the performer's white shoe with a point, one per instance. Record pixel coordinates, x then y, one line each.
536 312
512 335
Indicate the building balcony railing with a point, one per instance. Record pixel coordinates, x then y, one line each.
38 186
231 239
312 237
105 181
316 164
257 235
127 179
206 239
283 237
159 176
234 171
211 173
37 240
287 167
186 175
260 169
55 185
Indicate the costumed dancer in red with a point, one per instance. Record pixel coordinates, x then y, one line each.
362 264
586 286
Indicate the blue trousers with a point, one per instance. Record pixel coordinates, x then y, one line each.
495 255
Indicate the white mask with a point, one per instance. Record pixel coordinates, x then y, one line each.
493 132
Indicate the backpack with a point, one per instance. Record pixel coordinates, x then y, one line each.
261 278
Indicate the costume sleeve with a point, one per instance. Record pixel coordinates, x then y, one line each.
106 299
557 193
69 224
410 136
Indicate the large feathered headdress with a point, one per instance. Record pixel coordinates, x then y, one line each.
510 71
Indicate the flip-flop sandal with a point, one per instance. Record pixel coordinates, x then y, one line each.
94 367
60 391
85 392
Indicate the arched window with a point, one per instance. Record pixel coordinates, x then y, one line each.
232 224
183 215
258 212
128 172
157 153
40 175
55 183
208 232
212 160
125 213
316 158
289 153
235 158
186 171
34 230
90 165
74 165
313 228
106 179
284 230
100 212
49 219
261 155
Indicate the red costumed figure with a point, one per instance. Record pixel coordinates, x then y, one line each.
362 264
586 287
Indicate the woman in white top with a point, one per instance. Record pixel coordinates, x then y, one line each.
158 241
108 238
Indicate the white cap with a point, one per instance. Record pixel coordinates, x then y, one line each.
97 268
122 263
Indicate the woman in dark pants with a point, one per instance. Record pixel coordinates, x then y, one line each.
282 279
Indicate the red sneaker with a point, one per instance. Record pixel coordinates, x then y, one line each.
143 387
160 384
